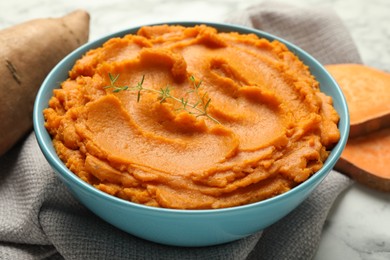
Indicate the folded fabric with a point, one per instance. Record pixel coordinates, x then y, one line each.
40 218
318 31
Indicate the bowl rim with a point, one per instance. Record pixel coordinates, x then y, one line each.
61 169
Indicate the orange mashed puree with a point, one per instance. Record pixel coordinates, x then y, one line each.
273 127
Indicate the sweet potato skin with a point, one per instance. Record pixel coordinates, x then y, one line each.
28 52
369 126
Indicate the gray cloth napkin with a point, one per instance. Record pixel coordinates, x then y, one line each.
39 218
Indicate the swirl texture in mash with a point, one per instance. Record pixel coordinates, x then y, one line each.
276 127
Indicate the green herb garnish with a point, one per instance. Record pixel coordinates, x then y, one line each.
199 109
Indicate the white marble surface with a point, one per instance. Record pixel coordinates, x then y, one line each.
358 226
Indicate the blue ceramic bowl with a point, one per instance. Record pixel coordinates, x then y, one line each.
187 227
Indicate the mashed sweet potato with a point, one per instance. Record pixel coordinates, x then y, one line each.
261 128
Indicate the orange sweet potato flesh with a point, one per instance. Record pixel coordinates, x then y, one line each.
28 52
367 91
367 152
367 158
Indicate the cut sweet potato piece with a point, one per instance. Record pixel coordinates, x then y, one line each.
367 91
28 51
366 159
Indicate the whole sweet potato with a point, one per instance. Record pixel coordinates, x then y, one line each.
28 52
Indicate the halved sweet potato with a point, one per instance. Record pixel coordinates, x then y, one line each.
367 160
367 91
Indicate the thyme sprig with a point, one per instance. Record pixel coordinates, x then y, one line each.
199 109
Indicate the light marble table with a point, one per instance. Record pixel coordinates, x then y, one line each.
358 226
